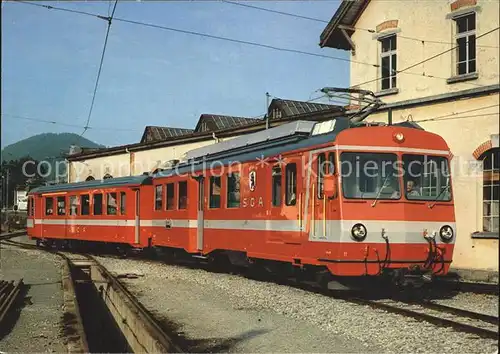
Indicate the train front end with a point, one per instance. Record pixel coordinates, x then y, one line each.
396 207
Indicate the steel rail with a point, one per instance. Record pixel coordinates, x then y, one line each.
458 311
479 331
10 235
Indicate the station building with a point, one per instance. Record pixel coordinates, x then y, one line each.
437 63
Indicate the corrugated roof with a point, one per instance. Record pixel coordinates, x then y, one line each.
291 107
153 133
213 122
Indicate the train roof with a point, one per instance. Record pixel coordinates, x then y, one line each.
268 143
104 183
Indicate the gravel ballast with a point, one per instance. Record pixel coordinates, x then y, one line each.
38 327
224 312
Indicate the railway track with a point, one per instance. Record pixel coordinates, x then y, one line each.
482 325
137 326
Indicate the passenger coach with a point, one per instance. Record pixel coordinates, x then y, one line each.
331 198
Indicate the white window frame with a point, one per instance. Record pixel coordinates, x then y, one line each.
489 199
389 54
466 35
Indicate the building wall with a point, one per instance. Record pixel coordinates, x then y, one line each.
463 135
424 20
130 163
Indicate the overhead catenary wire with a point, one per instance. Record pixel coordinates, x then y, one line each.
13 116
266 46
459 117
206 35
100 68
424 61
255 43
251 43
326 21
275 11
461 112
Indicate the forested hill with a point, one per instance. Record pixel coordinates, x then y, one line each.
45 146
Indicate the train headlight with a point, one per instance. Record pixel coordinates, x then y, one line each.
359 232
446 233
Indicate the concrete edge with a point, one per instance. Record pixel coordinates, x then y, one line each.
474 275
72 321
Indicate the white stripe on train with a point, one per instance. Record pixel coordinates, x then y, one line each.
336 230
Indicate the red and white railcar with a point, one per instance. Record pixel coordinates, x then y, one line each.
348 200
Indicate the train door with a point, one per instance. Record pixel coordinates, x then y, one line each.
200 218
292 206
324 208
137 215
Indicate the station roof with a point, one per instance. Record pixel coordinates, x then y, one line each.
154 133
214 122
344 19
292 107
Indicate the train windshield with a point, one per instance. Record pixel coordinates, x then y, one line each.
426 177
369 175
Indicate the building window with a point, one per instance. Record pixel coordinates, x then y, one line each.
73 205
491 190
49 206
61 205
159 197
291 184
111 204
388 60
170 196
215 186
97 204
466 44
183 192
85 204
233 190
123 203
276 186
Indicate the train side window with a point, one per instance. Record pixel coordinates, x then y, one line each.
159 197
321 174
276 185
183 188
331 163
85 204
61 205
233 190
111 204
49 205
97 204
215 187
291 184
123 203
73 205
170 204
32 207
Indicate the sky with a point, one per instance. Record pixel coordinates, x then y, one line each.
151 76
